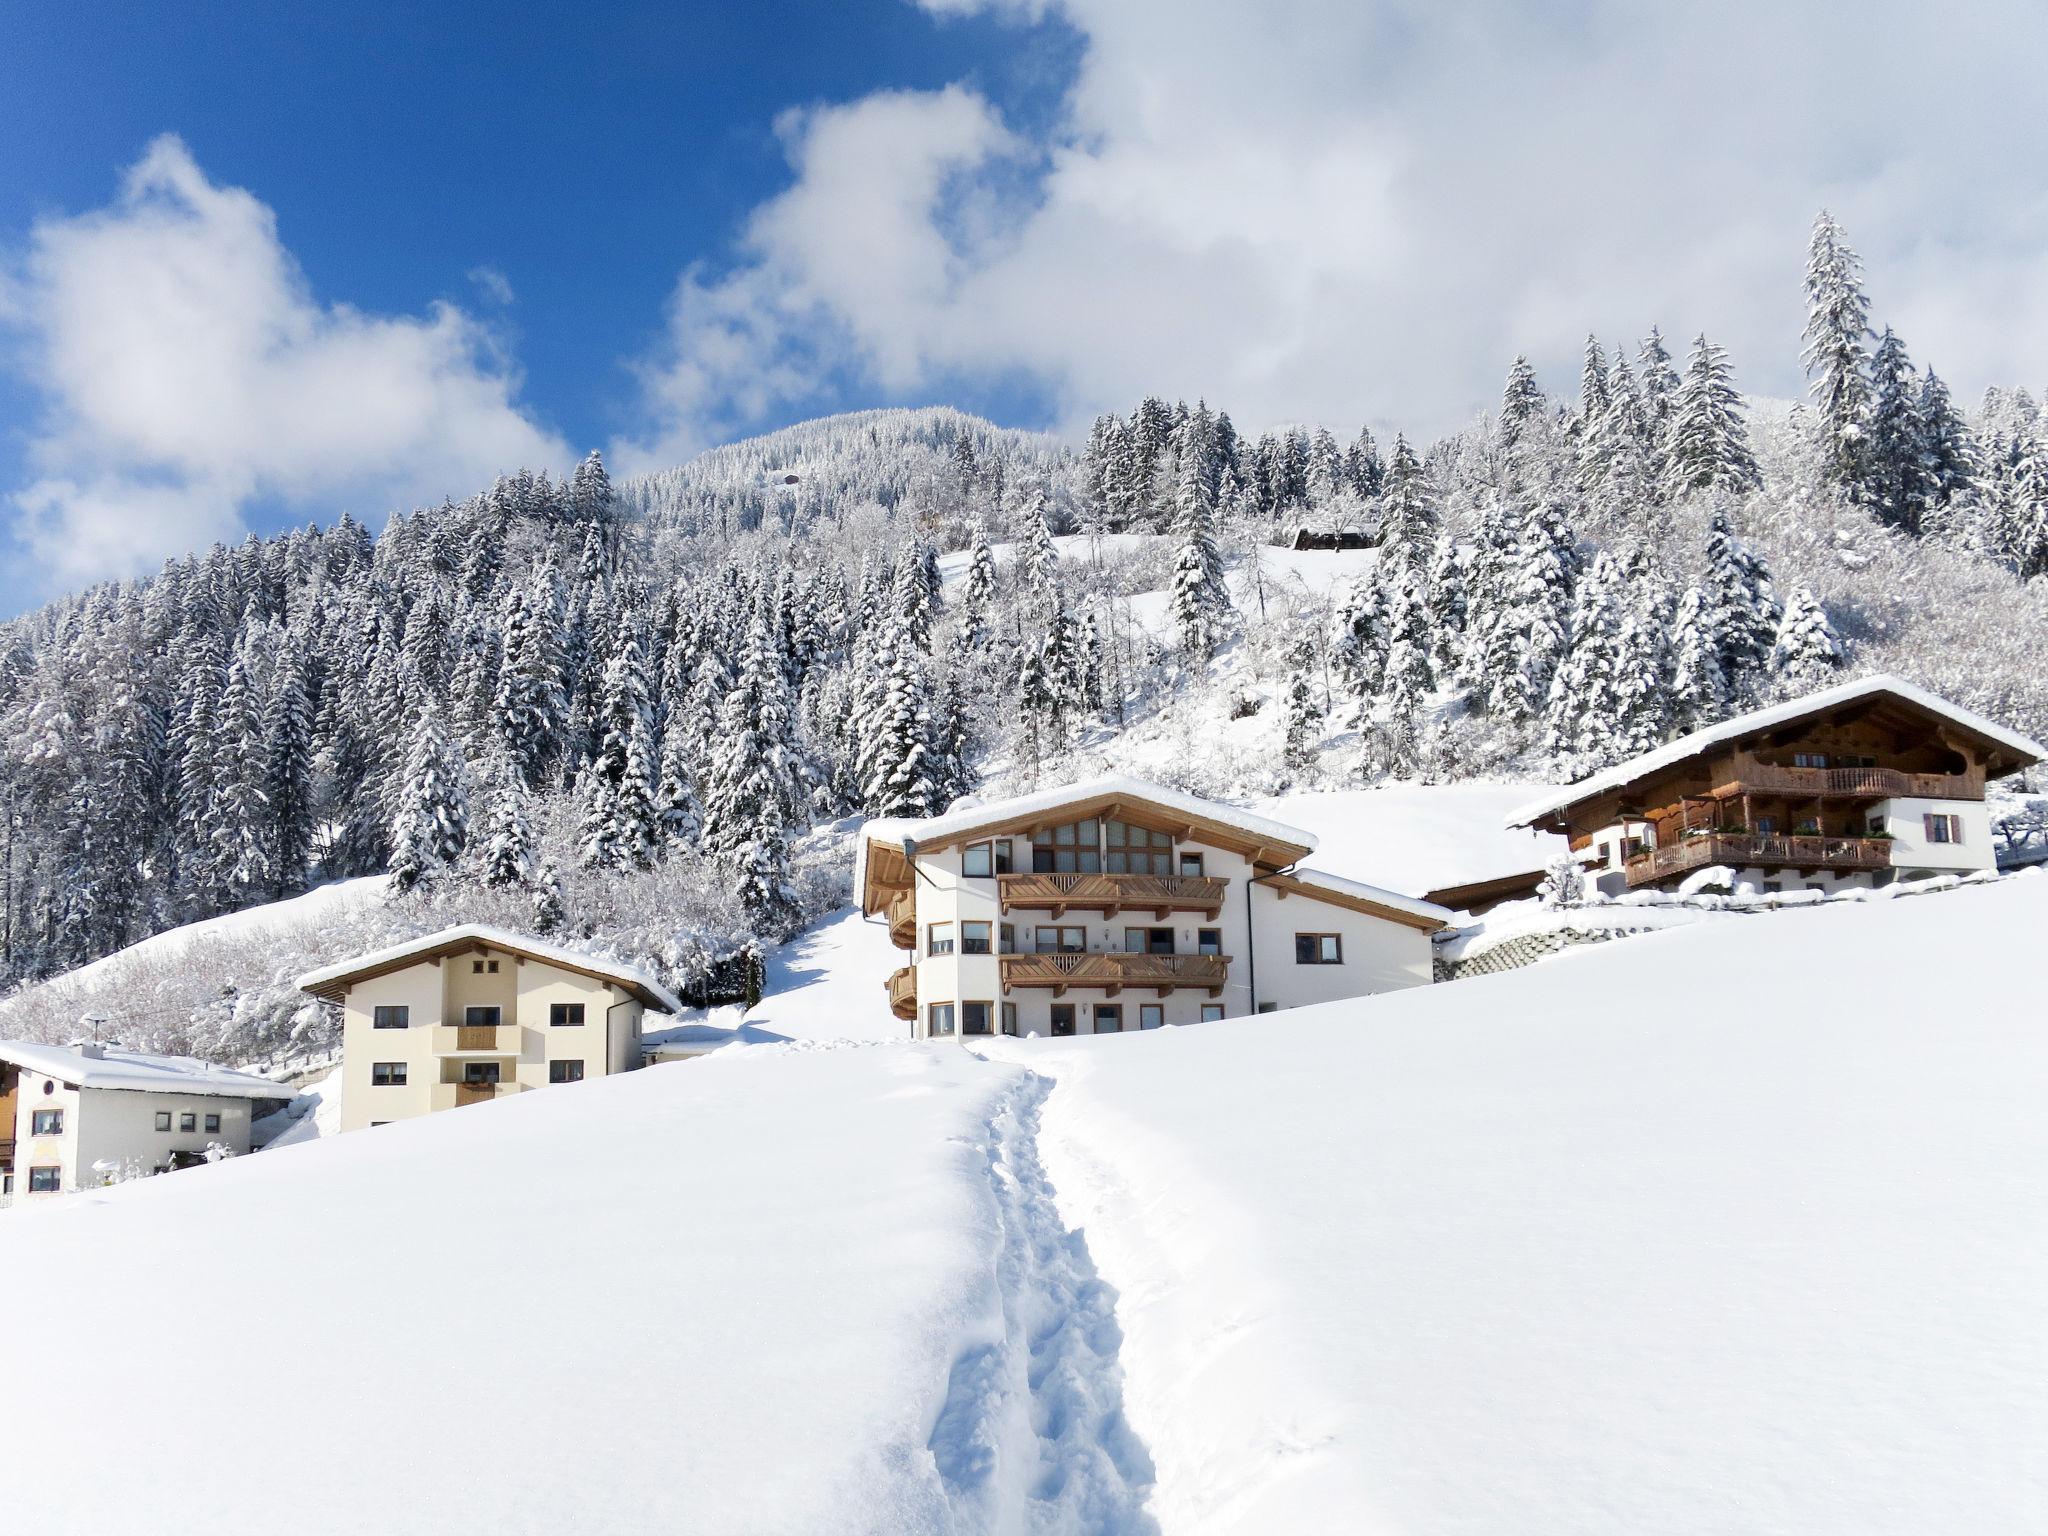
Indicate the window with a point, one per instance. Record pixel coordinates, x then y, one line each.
47 1122
45 1181
1006 938
387 1074
163 1119
1806 826
1208 941
974 938
476 967
1211 1012
1063 1018
1009 1018
1809 759
1267 1007
1109 1018
391 1016
478 1014
213 1124
978 861
1191 864
939 939
1944 829
939 1019
491 966
1093 847
480 1072
977 1018
1318 949
1875 826
1063 941
1766 826
189 1120
1002 854
1151 1015
561 1015
565 1071
1148 941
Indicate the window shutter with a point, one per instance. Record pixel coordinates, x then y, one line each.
1927 830
1955 829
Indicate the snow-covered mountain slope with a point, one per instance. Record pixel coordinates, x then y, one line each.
1731 1228
1726 1228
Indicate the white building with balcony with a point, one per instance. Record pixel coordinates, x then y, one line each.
474 1013
1120 905
1861 784
77 1116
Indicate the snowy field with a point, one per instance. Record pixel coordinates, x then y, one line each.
1728 1228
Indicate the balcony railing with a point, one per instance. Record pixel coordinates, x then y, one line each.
456 1095
1113 972
903 919
1745 848
1848 783
903 992
7 1150
476 1039
1107 894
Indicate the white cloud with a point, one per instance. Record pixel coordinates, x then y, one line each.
492 284
186 370
1356 209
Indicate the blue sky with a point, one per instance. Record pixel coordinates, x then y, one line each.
270 263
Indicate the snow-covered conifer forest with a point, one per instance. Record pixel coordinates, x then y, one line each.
637 715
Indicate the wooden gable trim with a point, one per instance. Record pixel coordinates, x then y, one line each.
1284 885
1154 818
336 989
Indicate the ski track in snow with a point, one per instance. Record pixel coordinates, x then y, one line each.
1032 1435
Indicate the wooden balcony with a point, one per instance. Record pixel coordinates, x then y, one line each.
1110 894
1114 972
1750 777
1743 849
476 1039
456 1095
903 992
903 919
7 1151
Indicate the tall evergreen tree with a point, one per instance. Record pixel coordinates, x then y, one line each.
1896 481
431 828
1806 653
1837 329
1707 446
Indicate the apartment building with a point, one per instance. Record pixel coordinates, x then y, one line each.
474 1013
76 1116
1119 905
1861 784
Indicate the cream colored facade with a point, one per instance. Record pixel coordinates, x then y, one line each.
476 1016
1179 912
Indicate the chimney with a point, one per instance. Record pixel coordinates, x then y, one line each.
91 1050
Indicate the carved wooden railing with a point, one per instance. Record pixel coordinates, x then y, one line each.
1740 848
1159 894
1114 972
903 992
1858 783
903 919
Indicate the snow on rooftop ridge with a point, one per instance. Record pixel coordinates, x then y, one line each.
1338 885
138 1071
1678 751
965 818
502 938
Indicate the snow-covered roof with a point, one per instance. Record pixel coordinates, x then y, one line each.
465 935
138 1072
893 830
1673 753
1357 890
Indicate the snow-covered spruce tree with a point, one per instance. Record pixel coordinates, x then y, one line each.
1446 584
1706 447
2011 518
1533 633
1593 381
912 600
1304 713
1837 329
1409 518
1041 556
550 911
977 591
1521 402
620 826
508 835
1896 482
531 708
287 775
1060 660
902 774
1745 609
1659 382
1582 720
1199 604
1807 653
1642 682
431 828
238 815
681 816
1700 693
1949 461
1360 644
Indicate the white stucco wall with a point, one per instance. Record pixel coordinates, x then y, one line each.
1906 821
117 1126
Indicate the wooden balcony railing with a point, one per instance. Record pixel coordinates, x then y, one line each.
476 1037
903 992
1744 848
1849 783
474 1093
903 919
7 1151
1108 894
1114 972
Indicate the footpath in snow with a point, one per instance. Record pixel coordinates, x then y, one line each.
1734 1227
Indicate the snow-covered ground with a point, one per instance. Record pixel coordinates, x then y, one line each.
1413 838
1731 1227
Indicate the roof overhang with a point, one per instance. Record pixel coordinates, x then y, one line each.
333 982
1424 917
